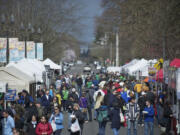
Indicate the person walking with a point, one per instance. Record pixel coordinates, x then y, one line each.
168 114
31 128
44 128
132 113
83 105
8 124
79 116
102 117
65 94
115 118
148 118
46 100
57 119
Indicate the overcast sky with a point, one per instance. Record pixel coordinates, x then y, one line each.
91 9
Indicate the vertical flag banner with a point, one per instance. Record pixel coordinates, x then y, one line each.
30 50
3 43
21 49
39 47
13 49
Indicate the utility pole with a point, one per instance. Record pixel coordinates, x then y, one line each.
111 57
117 49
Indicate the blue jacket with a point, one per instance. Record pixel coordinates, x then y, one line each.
58 120
149 117
124 96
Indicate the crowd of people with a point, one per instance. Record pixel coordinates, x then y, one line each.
94 97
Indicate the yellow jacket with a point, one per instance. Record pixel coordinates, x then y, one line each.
59 98
138 88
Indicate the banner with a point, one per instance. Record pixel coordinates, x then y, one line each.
10 95
39 49
30 50
3 42
21 49
13 49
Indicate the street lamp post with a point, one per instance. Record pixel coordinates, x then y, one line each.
37 32
5 21
25 29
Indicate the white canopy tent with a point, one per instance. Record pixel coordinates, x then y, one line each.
51 64
31 67
140 66
15 78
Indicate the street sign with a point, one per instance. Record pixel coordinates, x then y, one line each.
2 87
10 95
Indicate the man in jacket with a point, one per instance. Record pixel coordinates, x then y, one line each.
132 114
46 100
142 103
8 124
79 82
148 118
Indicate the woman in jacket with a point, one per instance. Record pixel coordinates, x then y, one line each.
54 103
115 118
79 116
168 114
44 128
31 128
83 105
57 119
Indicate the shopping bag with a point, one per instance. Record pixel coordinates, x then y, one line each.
75 126
53 125
121 117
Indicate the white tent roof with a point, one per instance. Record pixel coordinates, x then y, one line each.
15 78
17 73
137 66
31 67
141 66
51 64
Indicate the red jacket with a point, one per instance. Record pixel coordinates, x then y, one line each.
44 128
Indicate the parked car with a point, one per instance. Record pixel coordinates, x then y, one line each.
71 64
87 68
98 67
79 62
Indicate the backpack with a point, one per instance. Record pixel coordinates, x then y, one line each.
102 116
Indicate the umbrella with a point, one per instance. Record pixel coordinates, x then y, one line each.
175 63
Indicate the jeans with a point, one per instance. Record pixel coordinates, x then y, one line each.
132 124
102 126
79 90
95 114
148 127
90 113
140 120
115 131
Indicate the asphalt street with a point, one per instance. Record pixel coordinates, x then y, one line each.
91 128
